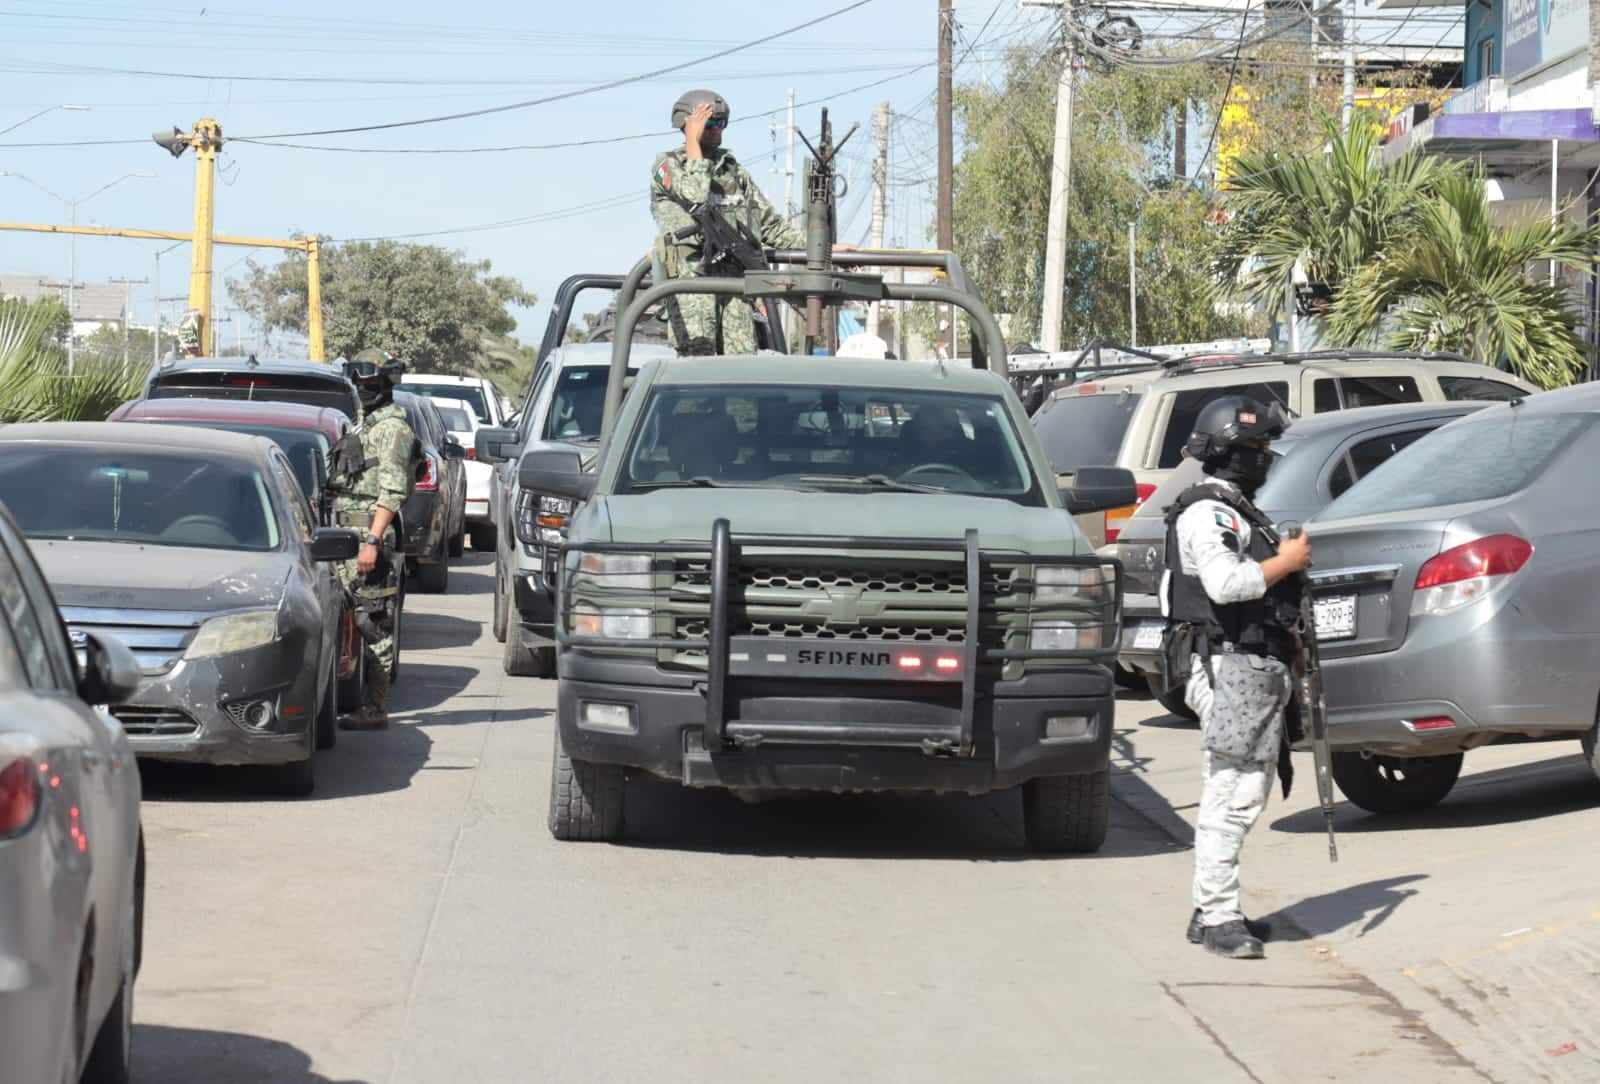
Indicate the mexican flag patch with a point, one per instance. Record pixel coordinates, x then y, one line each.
664 175
1225 520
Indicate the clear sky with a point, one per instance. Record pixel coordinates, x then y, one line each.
343 63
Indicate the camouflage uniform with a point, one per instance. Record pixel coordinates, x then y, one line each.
391 453
694 319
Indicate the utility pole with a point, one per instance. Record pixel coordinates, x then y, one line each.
785 313
127 310
1055 256
880 197
206 139
1349 32
945 225
1133 286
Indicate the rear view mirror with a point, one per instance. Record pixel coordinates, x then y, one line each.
495 445
453 450
334 544
1096 489
558 474
111 673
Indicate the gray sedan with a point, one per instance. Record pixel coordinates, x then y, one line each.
195 547
71 853
1457 602
1319 458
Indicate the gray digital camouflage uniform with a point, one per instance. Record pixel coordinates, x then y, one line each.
391 452
1241 716
700 324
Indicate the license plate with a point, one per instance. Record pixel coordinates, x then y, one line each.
1336 617
1147 637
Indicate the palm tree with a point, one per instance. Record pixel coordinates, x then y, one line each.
1331 214
1461 283
34 383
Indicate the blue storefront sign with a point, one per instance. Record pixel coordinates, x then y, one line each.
1537 33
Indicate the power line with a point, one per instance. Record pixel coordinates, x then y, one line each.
1233 71
567 95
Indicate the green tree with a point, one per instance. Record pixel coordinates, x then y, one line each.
1330 213
106 342
34 383
1121 173
1461 283
432 307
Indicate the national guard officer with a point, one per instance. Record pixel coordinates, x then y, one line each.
702 176
1231 601
372 473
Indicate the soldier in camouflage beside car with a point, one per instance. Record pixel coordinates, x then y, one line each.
684 183
372 472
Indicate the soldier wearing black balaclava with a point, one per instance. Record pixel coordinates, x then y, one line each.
1230 605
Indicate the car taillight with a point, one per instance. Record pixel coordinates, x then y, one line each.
1116 517
430 477
19 795
472 453
1467 572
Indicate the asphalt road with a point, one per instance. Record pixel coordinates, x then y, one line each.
414 921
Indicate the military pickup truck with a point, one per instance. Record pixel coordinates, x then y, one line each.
822 574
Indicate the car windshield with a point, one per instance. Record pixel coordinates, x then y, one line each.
468 394
578 404
1084 430
114 494
259 387
1480 460
306 449
828 438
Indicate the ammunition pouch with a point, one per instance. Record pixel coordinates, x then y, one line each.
347 462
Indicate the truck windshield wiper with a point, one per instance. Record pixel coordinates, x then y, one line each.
877 481
699 480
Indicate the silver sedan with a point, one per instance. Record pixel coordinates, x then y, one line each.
1457 602
71 852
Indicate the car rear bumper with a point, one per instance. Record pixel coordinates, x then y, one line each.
1142 625
669 727
478 510
197 710
42 901
1488 671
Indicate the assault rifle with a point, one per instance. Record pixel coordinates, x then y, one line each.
721 242
1313 704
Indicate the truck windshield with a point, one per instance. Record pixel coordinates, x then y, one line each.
470 397
827 438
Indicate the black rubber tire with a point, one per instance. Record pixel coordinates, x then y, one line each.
1390 785
1067 814
1170 699
500 605
522 661
458 544
399 622
484 537
1127 678
434 579
586 800
328 710
111 1056
297 778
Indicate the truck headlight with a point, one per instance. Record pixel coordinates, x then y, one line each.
620 571
1065 636
542 518
1072 583
613 623
232 633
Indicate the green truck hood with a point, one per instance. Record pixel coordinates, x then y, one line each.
687 515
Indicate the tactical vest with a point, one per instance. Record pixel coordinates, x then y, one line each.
1195 624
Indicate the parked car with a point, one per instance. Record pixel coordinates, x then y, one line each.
434 517
196 548
1140 417
486 404
306 434
315 382
463 426
1319 458
72 866
1457 602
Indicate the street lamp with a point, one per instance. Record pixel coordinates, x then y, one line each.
42 112
72 245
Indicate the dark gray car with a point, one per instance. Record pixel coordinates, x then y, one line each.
194 547
1320 457
434 517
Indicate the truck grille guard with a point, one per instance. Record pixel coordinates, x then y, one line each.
726 579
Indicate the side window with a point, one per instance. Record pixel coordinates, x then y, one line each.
1365 391
1325 395
1478 389
526 420
31 631
1186 407
1362 458
299 506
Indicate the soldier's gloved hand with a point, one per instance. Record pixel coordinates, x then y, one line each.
367 559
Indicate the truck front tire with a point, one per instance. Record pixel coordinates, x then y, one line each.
585 798
1067 814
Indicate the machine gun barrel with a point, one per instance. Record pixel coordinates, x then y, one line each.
1314 705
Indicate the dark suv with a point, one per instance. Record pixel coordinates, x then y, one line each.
277 381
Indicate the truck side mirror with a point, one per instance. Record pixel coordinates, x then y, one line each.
1095 489
558 474
495 445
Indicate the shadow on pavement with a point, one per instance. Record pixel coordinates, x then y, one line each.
1375 901
425 685
192 1056
1523 792
478 715
1129 787
426 631
463 582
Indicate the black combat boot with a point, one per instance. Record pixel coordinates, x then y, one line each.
1234 941
1261 931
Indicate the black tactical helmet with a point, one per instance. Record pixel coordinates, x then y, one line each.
1231 421
693 100
375 373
